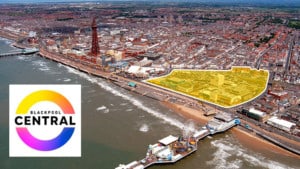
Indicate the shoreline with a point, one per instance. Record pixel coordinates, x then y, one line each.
9 36
246 138
187 112
260 144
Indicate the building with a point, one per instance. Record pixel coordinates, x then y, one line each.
254 114
281 124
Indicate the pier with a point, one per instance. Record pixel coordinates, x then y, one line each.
171 149
27 51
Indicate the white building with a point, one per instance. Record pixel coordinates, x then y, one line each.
257 112
280 123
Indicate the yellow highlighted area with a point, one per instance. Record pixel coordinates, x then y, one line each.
225 88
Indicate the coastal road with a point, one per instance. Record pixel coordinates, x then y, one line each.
97 72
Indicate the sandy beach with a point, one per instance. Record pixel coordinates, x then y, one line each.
188 113
249 140
258 144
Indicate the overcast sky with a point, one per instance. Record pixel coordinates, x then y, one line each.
244 1
36 1
24 1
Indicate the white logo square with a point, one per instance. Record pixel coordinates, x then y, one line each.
45 121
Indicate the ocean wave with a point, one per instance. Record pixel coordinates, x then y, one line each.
43 66
224 151
67 80
261 161
91 91
39 63
101 108
144 128
23 58
44 69
106 111
233 156
132 100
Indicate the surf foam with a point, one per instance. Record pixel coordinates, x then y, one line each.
226 151
104 85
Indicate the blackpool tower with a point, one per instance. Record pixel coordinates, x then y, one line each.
95 51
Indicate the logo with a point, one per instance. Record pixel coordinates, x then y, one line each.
45 121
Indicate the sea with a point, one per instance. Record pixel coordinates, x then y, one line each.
118 125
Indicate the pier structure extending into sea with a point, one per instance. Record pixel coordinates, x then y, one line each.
27 51
172 149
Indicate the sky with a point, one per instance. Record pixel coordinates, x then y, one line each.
36 1
232 1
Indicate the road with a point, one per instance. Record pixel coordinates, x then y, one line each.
288 60
260 55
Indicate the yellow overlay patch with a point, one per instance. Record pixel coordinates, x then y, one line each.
225 88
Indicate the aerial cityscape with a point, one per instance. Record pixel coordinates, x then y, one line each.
200 67
217 87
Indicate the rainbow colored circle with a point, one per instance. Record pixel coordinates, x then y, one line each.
39 96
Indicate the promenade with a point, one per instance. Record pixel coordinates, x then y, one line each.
141 88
